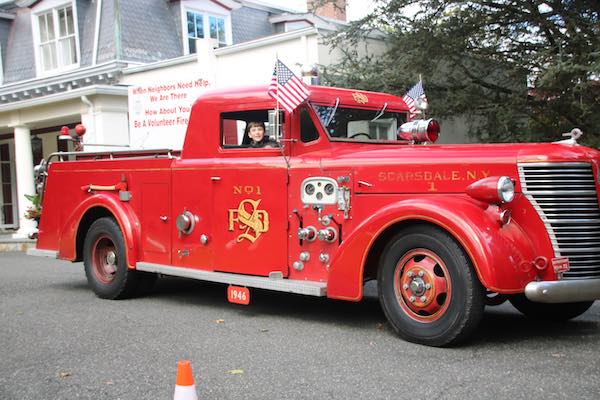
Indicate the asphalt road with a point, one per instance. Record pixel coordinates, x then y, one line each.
59 341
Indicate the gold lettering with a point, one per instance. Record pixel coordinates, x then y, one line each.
248 189
432 187
251 222
360 98
390 176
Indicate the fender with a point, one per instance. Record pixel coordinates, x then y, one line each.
502 255
125 216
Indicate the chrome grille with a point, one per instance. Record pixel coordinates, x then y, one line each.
564 195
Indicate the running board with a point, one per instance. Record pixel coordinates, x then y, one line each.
42 253
277 284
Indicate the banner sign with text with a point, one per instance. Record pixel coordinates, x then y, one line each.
159 112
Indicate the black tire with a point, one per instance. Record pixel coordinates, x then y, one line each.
449 310
549 311
105 262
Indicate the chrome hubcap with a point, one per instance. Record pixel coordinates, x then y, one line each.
111 258
417 286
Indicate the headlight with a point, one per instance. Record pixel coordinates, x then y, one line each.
506 189
493 190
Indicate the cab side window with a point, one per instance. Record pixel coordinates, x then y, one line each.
236 127
308 130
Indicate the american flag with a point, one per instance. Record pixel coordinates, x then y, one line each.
286 88
413 94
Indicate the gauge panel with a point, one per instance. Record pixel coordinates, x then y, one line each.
319 191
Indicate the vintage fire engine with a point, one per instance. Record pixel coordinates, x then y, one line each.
350 192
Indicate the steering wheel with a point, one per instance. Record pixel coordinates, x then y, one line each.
360 134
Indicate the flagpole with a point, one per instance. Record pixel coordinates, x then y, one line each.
277 136
423 112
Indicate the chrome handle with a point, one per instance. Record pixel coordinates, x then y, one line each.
164 218
215 178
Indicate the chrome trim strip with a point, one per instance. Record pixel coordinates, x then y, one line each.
282 285
553 164
563 291
571 221
557 175
564 192
585 251
590 208
42 253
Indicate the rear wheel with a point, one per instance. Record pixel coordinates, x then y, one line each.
428 288
549 311
105 263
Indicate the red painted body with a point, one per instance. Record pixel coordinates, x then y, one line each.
390 184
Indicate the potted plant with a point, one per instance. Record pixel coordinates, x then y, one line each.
34 211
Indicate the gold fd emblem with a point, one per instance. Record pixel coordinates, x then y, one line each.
251 221
360 98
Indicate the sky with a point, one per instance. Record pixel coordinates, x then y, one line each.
355 9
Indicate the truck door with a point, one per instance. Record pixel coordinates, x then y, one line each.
250 200
192 202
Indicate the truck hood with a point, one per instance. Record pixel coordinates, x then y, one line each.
443 168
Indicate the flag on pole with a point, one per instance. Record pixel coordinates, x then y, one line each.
416 93
286 88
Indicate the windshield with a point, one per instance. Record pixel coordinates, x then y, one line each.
358 124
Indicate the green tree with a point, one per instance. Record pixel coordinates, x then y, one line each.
517 69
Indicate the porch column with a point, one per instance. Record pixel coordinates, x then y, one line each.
25 180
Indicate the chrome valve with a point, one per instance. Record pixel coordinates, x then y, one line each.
304 256
309 233
328 234
186 222
298 265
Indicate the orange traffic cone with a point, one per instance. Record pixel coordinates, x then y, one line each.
185 389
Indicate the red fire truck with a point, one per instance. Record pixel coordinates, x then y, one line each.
349 192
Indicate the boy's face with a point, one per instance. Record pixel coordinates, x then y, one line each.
256 133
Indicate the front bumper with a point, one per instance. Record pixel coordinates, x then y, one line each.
570 291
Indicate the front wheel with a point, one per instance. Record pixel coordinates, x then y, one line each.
105 263
428 288
549 311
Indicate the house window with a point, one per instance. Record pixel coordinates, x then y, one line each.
202 25
57 39
217 30
195 27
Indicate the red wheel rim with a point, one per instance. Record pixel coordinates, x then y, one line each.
422 285
104 259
